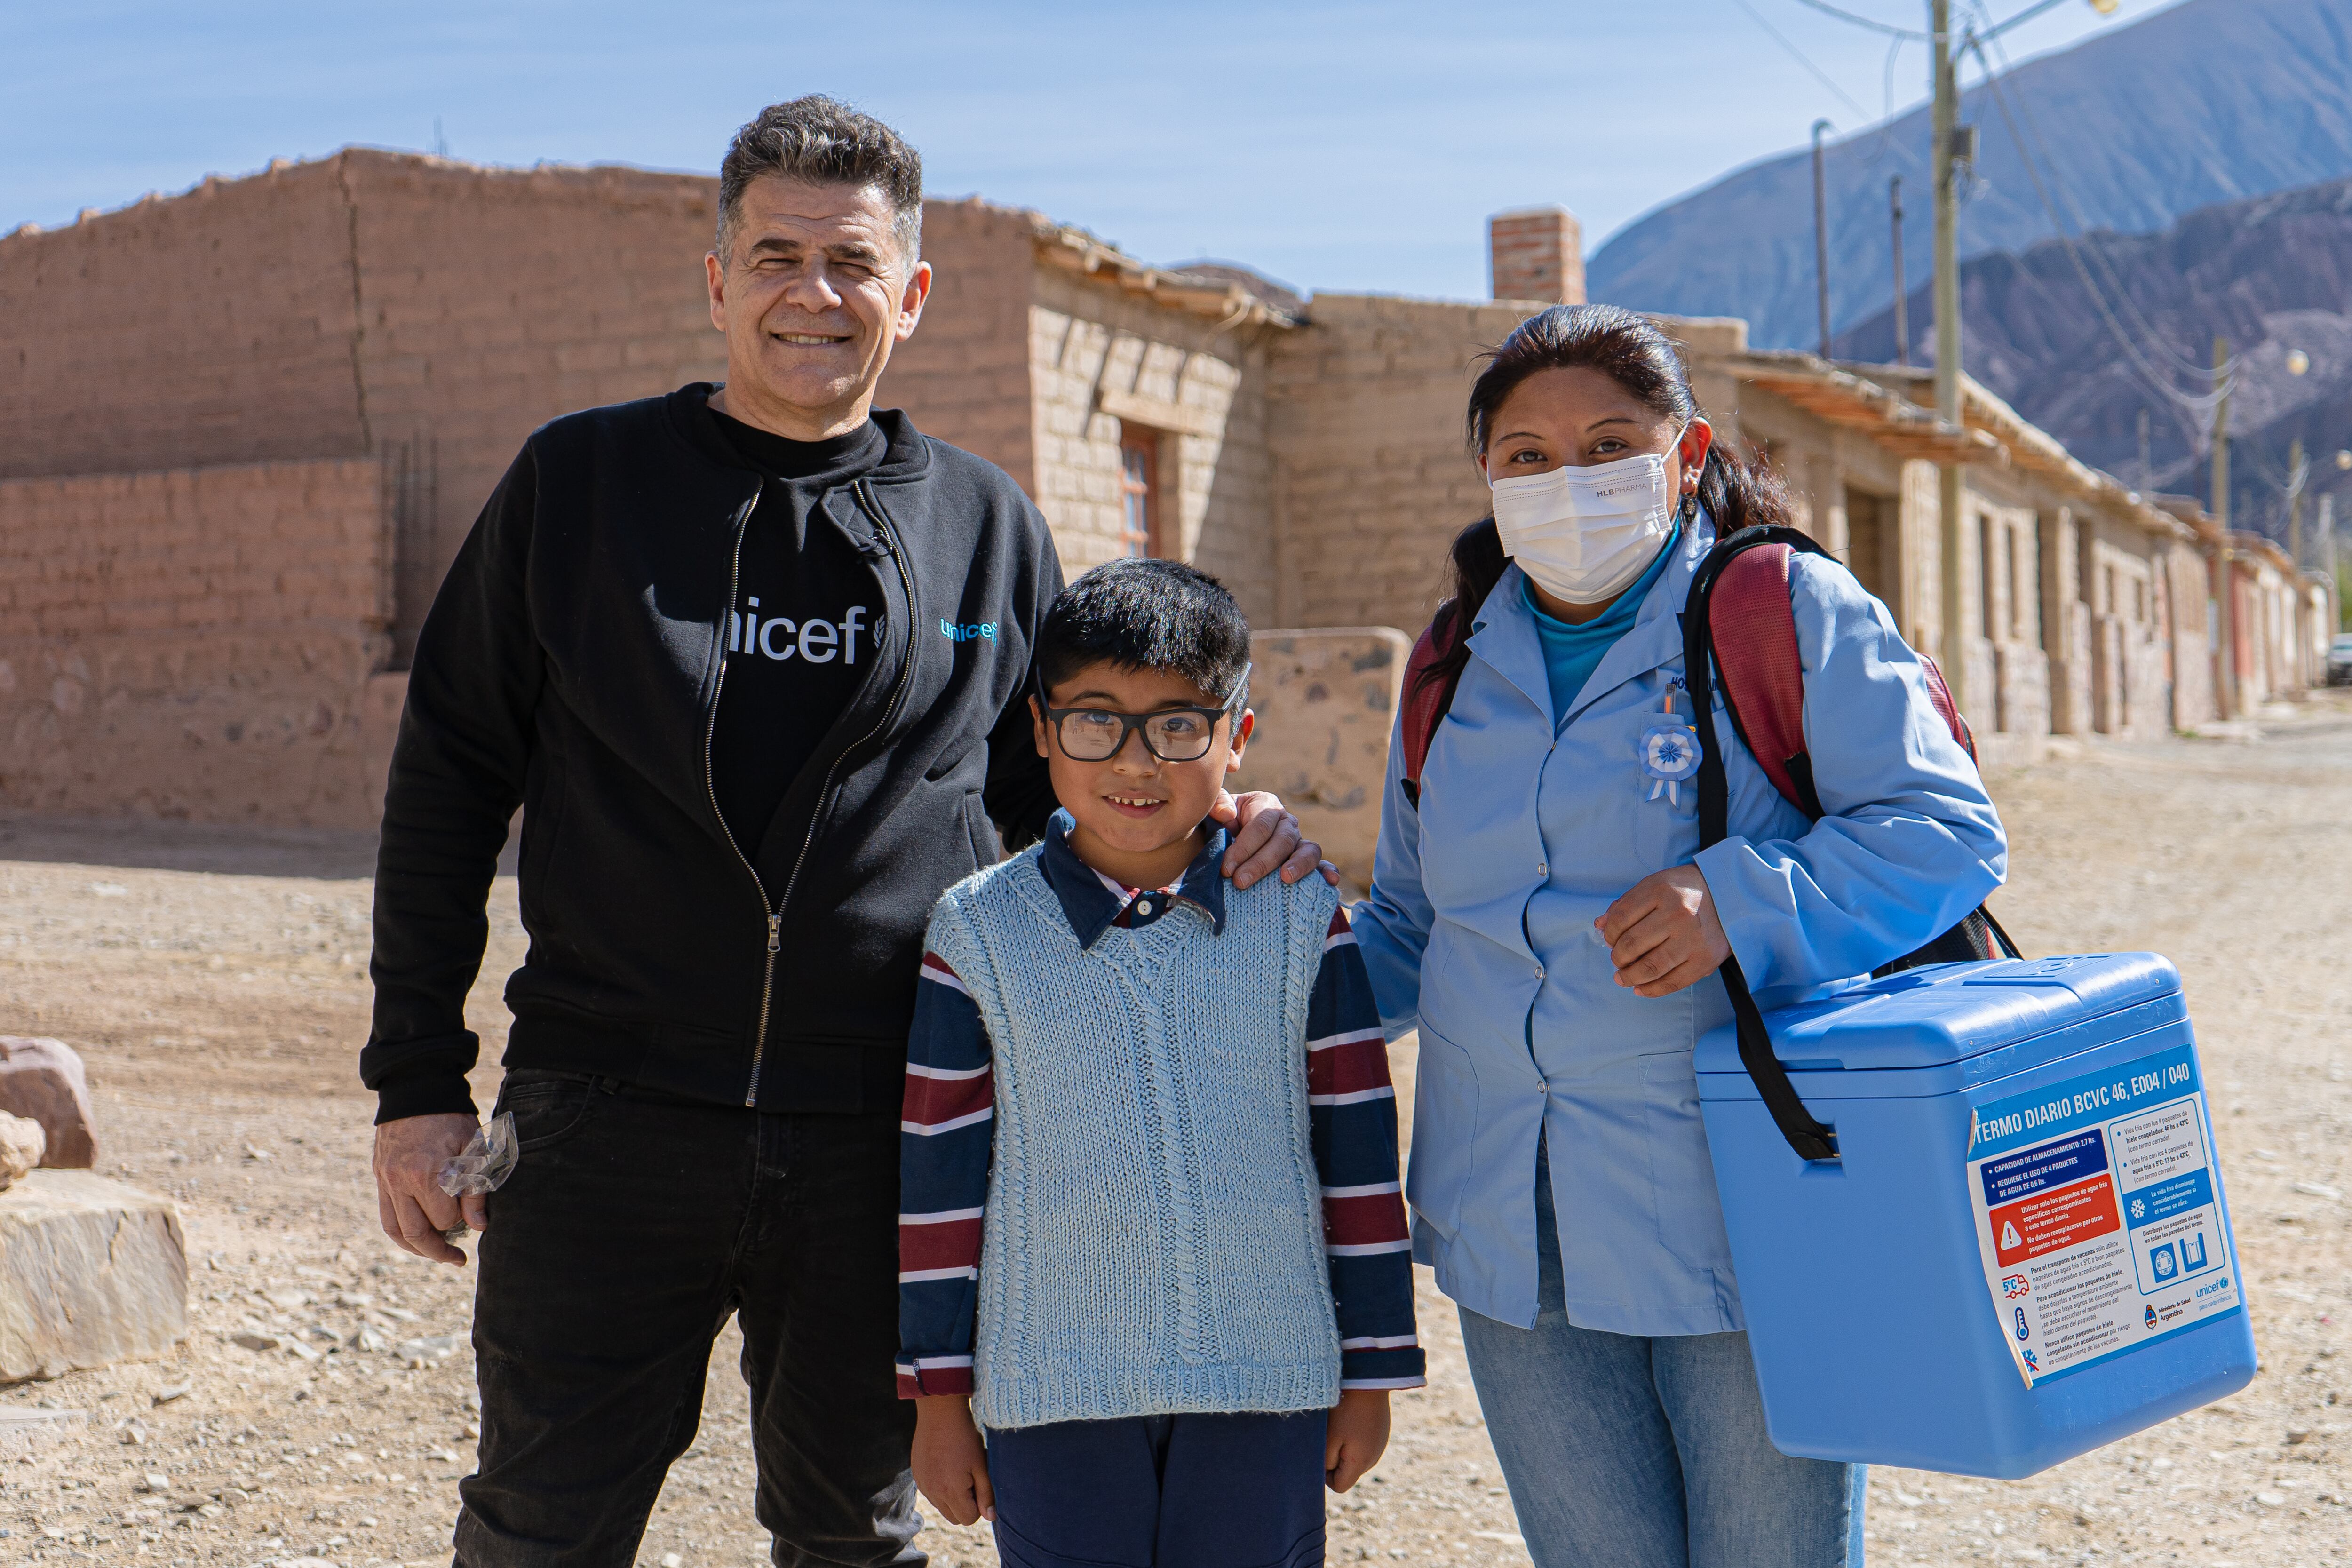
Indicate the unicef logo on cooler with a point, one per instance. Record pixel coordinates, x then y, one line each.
1670 755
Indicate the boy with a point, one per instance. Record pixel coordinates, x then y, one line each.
1150 1233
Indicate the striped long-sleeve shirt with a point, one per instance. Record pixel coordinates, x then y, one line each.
947 1138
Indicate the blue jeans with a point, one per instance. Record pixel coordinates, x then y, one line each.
1630 1452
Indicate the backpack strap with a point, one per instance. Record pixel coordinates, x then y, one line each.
1940 694
1753 631
1770 706
1738 622
1426 695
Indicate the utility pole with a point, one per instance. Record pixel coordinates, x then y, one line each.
2297 473
1822 236
1947 341
2225 575
1901 288
2326 548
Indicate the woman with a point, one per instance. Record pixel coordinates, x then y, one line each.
1544 916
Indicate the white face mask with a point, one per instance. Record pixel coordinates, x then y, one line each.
1585 534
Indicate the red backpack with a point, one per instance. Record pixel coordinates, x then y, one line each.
1737 623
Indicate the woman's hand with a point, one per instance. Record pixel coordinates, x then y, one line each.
1357 1436
1664 934
950 1462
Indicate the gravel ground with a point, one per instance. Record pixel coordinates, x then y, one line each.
216 981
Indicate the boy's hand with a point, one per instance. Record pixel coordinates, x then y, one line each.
950 1464
1358 1435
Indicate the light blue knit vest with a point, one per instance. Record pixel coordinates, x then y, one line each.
1154 1233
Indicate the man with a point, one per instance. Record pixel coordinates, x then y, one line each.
752 659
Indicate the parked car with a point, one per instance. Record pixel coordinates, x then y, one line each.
2340 660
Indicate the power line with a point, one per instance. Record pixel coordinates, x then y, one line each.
1798 56
2123 296
2156 380
1995 29
1872 23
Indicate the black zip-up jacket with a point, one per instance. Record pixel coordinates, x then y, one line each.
570 664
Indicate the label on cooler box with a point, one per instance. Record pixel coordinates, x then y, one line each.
2097 1215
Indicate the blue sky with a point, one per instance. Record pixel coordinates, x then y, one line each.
1335 146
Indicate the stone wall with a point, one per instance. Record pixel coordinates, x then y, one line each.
1104 363
196 642
491 300
427 312
964 376
1370 476
216 327
2188 589
1325 702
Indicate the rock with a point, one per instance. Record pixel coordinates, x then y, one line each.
22 1431
21 1143
43 1079
426 1349
254 1341
155 1481
92 1272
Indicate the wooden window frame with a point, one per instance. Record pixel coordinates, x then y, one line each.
1139 446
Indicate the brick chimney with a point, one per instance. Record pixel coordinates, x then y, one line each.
1537 253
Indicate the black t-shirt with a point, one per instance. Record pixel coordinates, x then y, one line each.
804 629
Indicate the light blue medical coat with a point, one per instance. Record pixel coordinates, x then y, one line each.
1479 934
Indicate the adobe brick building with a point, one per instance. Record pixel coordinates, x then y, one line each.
242 430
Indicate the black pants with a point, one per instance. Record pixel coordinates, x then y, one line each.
632 1226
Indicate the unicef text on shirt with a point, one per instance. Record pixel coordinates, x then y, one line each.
815 641
955 633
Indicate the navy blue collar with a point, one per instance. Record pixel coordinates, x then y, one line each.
1092 909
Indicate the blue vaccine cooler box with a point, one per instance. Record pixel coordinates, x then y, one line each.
2022 1253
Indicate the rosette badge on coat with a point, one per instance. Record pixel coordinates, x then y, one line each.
1583 534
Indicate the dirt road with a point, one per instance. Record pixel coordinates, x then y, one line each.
216 981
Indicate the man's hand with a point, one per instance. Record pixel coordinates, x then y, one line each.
950 1462
1358 1436
1265 837
1664 934
409 1154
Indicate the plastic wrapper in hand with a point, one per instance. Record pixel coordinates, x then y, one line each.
486 1162
482 1167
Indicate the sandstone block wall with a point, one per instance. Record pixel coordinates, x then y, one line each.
1325 701
216 327
491 300
372 303
195 642
1371 478
1105 363
964 376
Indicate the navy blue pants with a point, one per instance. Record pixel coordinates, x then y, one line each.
1162 1491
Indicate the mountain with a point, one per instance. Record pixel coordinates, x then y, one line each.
2209 101
2272 275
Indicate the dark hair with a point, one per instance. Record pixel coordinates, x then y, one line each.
1148 614
1631 350
826 142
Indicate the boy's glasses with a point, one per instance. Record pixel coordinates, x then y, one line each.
1170 734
